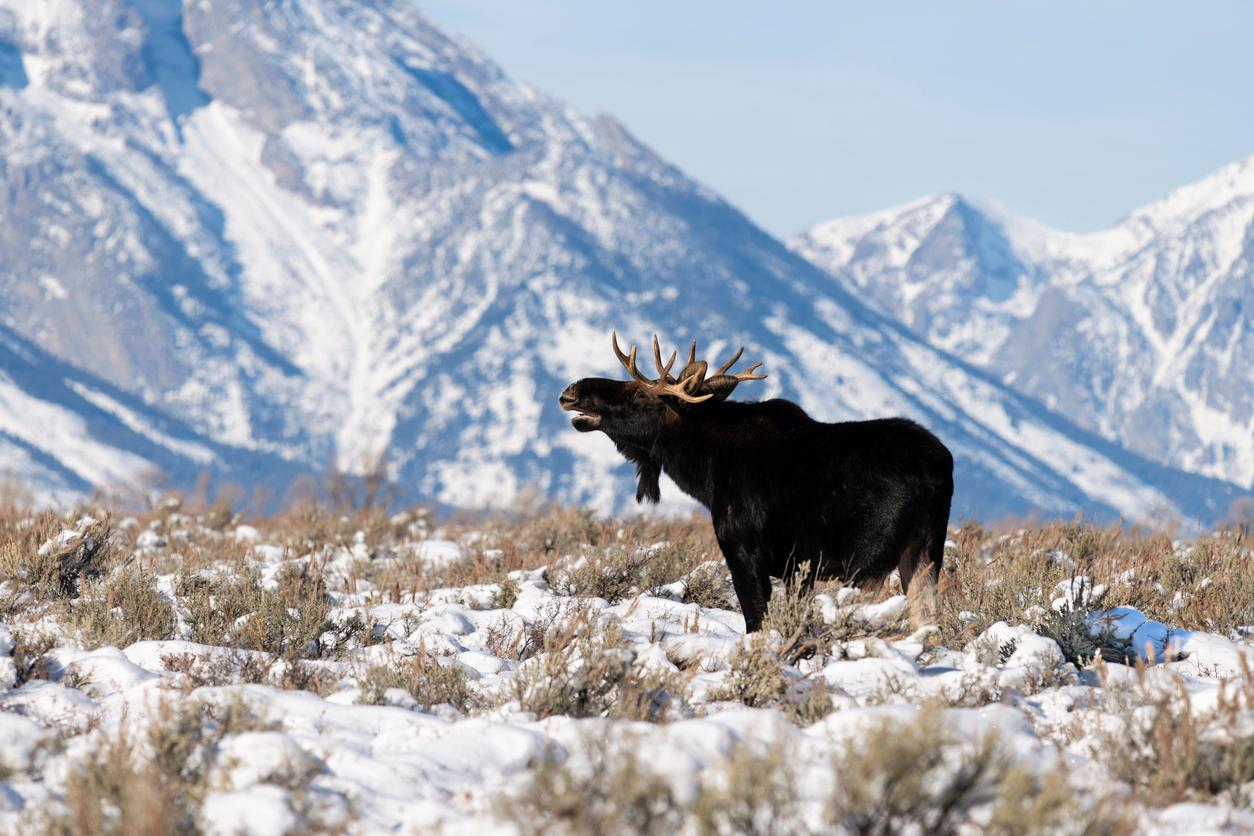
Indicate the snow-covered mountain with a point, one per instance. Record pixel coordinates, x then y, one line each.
324 232
1141 333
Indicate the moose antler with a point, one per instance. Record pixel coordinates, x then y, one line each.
747 374
665 384
692 385
663 374
694 373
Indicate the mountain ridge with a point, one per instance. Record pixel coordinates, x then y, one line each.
338 238
1140 331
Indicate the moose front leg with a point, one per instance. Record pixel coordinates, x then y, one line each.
752 584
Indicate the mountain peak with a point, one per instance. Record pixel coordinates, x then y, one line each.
1140 330
892 237
1231 184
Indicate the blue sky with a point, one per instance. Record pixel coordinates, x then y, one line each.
1070 112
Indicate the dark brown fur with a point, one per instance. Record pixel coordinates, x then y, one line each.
853 500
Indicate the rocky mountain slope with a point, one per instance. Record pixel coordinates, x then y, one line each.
325 233
1140 333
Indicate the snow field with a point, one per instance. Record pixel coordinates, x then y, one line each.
529 703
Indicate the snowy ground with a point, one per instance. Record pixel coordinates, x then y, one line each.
665 689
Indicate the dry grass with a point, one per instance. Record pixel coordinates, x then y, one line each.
154 784
588 671
122 609
588 556
897 777
1168 751
752 792
250 667
103 586
286 619
615 794
425 677
757 678
905 776
1205 584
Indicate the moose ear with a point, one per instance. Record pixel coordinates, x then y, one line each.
697 370
720 386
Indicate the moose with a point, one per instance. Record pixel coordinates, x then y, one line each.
853 500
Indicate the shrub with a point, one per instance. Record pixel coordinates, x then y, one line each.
124 787
1169 752
111 792
614 793
30 659
757 678
751 793
122 609
627 567
710 585
894 777
605 788
1030 805
255 667
156 785
423 676
1069 628
34 557
916 776
593 676
287 620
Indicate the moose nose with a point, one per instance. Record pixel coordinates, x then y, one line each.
568 398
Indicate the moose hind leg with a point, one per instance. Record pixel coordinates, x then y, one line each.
928 560
918 580
924 608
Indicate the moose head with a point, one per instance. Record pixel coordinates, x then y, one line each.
633 410
636 413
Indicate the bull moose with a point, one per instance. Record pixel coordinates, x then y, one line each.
853 500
